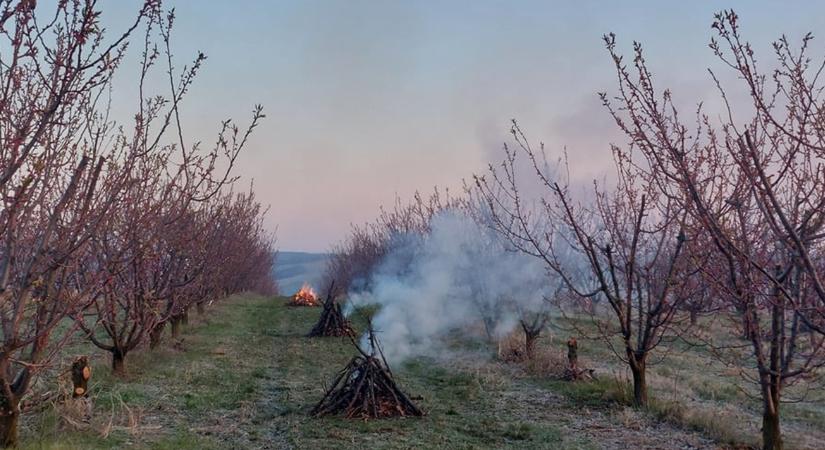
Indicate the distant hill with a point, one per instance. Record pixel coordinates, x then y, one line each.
292 269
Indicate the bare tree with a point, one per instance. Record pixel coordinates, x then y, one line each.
149 249
627 247
756 188
55 184
71 181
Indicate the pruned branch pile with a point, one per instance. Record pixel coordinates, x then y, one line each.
366 389
332 321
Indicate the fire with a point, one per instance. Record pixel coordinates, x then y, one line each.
305 297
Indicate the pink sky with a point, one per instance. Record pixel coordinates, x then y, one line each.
369 100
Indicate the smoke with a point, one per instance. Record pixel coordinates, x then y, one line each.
458 275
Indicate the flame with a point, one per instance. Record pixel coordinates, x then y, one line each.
305 296
306 291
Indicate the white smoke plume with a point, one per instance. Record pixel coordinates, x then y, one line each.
459 275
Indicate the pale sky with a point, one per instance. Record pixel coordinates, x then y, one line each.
366 100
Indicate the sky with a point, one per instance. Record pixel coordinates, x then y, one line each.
369 100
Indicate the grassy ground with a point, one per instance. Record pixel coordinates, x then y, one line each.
198 393
693 388
464 409
246 377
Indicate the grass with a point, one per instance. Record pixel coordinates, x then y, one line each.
186 396
462 407
604 392
691 388
246 377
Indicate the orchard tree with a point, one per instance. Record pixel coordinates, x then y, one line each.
55 184
86 203
148 249
628 247
754 183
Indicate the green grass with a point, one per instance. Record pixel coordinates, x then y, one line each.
604 392
246 377
186 396
461 407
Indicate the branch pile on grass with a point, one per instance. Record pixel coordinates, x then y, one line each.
332 321
366 389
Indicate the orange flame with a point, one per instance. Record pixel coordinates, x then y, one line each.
305 296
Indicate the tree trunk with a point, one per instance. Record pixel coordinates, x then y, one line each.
748 321
694 316
489 327
118 362
184 317
771 434
639 369
530 338
200 308
771 380
8 428
175 327
746 327
156 336
573 355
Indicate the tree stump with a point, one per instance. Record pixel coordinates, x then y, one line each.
81 373
573 372
572 354
77 410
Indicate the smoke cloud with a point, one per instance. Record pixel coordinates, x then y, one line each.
458 275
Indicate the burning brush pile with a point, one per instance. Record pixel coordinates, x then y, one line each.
366 389
305 297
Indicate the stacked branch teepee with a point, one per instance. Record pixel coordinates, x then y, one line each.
366 388
332 321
